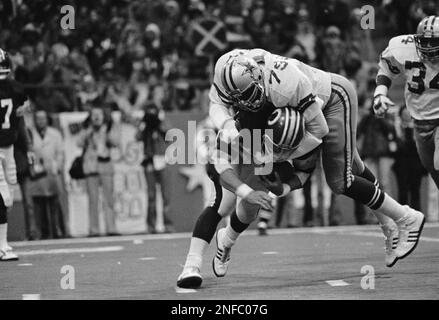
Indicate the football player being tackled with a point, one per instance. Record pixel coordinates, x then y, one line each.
416 58
12 99
251 80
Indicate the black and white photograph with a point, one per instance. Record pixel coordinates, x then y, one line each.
214 157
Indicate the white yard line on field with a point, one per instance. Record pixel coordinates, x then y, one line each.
380 235
137 239
337 283
70 250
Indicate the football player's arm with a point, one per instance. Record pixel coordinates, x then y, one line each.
23 134
388 69
230 180
304 167
306 101
219 112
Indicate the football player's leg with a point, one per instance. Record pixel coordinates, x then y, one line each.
425 137
3 223
341 118
10 167
204 230
226 237
361 170
245 213
239 221
5 202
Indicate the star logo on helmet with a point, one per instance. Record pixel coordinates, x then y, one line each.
249 68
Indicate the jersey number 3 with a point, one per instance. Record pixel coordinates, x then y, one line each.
417 84
5 115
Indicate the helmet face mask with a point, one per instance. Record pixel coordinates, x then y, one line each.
427 39
251 99
5 64
428 48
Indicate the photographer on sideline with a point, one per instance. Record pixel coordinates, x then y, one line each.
152 133
97 139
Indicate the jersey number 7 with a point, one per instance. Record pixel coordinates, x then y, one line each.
5 115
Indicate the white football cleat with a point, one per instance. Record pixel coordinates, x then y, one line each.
391 234
190 278
7 255
410 230
221 261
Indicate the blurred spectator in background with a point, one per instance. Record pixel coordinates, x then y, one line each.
32 231
254 22
52 100
87 93
378 144
97 139
333 13
49 153
152 134
305 38
331 50
407 167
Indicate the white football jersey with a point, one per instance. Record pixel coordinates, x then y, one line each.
421 92
288 82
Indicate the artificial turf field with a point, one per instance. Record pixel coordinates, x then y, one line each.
305 263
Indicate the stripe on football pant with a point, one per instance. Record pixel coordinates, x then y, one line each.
341 92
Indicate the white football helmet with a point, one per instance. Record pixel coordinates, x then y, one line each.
243 80
427 38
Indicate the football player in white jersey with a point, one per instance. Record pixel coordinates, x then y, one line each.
316 95
249 81
416 58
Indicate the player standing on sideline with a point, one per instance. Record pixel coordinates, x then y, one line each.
12 99
416 57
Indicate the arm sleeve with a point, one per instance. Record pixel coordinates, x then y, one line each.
389 68
219 114
24 134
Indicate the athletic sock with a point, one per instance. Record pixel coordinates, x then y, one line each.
393 209
372 196
203 233
369 176
365 192
206 224
382 219
194 258
234 228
